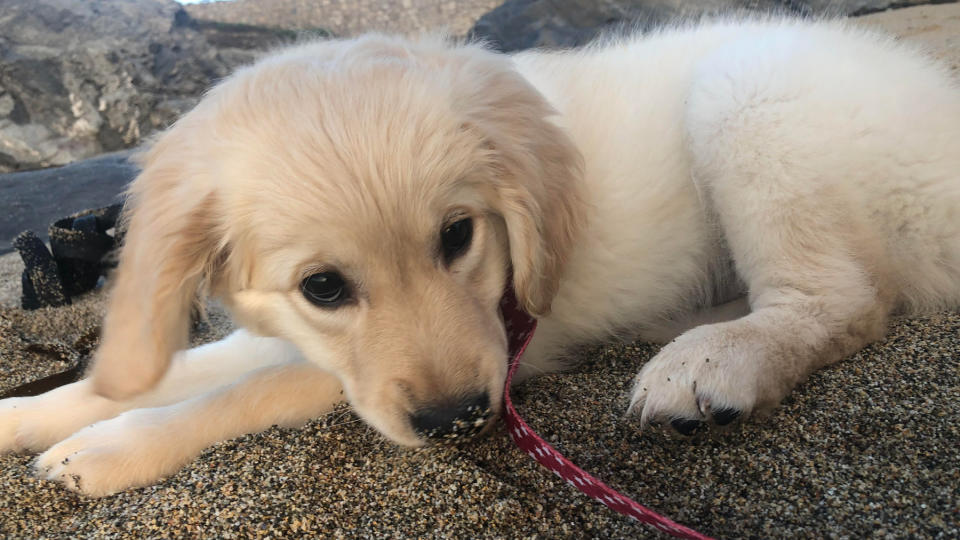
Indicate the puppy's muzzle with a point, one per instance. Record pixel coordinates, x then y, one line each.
449 422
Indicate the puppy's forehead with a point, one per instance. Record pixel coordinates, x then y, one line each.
369 156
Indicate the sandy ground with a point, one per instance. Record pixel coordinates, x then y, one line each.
869 447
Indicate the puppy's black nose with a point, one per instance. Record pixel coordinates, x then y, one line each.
462 419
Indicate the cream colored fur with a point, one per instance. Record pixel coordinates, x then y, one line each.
766 192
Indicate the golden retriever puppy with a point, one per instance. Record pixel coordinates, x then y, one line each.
765 192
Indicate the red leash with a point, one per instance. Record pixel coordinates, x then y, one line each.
520 327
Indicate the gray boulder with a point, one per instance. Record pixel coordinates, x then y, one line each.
79 78
523 24
32 200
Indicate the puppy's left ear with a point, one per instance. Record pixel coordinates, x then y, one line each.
170 248
538 171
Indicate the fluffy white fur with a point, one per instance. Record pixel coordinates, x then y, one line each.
766 192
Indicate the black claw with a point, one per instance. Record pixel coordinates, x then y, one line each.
725 416
685 426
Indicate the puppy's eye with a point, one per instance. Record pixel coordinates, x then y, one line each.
455 239
326 289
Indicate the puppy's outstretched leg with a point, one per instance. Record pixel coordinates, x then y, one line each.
813 301
802 234
141 446
32 424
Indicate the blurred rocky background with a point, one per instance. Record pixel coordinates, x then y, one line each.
79 78
349 17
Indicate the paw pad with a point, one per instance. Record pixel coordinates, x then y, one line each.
686 426
725 416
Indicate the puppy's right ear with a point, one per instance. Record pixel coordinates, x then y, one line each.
170 248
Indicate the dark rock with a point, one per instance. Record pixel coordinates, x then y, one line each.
80 244
40 278
522 24
32 200
81 78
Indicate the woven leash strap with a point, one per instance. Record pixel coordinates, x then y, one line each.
520 326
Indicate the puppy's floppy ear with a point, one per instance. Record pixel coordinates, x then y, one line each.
538 172
170 246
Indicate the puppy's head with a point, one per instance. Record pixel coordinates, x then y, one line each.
367 200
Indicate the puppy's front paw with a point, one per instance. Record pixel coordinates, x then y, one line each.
710 374
131 450
31 424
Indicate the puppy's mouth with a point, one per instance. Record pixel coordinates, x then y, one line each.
411 418
410 421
